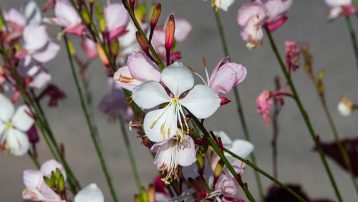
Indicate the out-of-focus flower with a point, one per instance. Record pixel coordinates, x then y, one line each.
32 12
117 18
115 103
173 153
38 77
176 90
91 193
139 69
340 8
292 55
264 103
226 76
54 93
222 4
276 13
13 127
89 47
15 22
345 106
36 187
67 17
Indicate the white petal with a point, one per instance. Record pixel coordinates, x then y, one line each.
116 16
160 124
21 119
241 148
91 193
35 37
2 129
66 13
32 13
224 4
186 153
6 108
47 53
32 178
149 94
177 78
17 142
202 101
182 29
52 165
225 139
143 68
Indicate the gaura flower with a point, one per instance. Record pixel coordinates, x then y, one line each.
340 8
139 69
264 103
32 12
175 91
89 47
15 22
91 193
345 106
222 4
67 17
36 188
13 127
276 13
226 76
117 19
172 153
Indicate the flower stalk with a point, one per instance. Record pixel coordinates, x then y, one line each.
353 37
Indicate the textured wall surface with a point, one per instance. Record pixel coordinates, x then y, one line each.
307 22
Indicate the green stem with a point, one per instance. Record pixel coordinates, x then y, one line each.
238 102
94 135
34 160
131 158
306 118
353 37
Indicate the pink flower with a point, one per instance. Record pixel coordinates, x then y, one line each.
276 13
172 153
89 47
117 19
292 55
264 104
15 22
340 8
226 76
66 16
36 188
139 69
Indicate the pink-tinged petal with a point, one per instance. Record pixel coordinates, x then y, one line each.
40 80
66 14
116 16
52 165
32 178
276 9
161 124
6 108
264 104
149 94
241 148
17 142
32 13
223 4
186 153
142 68
35 37
334 12
337 3
182 29
177 78
201 101
124 79
91 193
227 76
129 38
48 53
249 11
348 10
89 47
117 33
227 185
22 120
274 25
14 16
75 30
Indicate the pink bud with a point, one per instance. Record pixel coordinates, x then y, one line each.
224 101
264 104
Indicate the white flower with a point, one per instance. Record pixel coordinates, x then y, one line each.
13 126
91 193
345 106
223 4
176 90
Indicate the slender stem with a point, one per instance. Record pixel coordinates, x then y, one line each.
238 101
275 129
130 154
352 34
306 118
34 159
94 135
273 179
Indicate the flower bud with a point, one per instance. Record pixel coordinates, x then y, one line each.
345 106
102 55
86 16
132 3
155 15
142 42
170 30
151 193
218 169
224 101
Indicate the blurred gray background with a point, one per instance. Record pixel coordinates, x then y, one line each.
307 22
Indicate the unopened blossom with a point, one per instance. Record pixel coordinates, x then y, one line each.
67 17
226 76
117 18
15 23
292 52
345 106
175 92
139 69
222 4
36 188
171 154
90 193
13 127
264 103
340 8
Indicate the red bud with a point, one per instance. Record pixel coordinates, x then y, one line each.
169 37
142 42
224 101
155 15
132 3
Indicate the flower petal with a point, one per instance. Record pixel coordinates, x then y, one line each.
225 139
17 142
182 29
35 37
21 119
47 53
241 148
161 124
2 129
149 94
177 78
91 193
52 165
6 108
65 12
116 16
124 79
186 153
223 4
32 12
143 68
202 101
